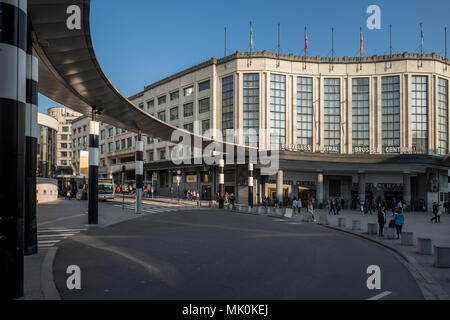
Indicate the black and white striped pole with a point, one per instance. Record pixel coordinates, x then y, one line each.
221 183
31 137
94 132
139 172
13 61
250 185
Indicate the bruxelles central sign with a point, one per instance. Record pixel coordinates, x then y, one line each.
356 150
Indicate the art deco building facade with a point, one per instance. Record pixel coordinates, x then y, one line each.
376 127
65 117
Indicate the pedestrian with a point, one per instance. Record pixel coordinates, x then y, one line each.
332 209
399 220
440 211
69 193
338 206
64 192
381 220
435 212
299 205
311 211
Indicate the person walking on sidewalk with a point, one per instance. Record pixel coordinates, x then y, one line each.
332 208
435 212
399 221
299 206
381 220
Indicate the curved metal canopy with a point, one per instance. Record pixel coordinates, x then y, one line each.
70 74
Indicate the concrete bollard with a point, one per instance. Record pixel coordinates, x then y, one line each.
260 210
356 225
372 228
239 209
407 239
441 257
278 212
341 222
389 233
254 210
323 219
250 209
230 207
289 213
425 246
269 210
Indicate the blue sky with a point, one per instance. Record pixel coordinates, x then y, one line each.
139 42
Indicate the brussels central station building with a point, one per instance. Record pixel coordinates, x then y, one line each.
349 128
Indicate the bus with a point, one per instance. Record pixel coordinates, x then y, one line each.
105 189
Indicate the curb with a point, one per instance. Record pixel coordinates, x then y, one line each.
48 287
428 286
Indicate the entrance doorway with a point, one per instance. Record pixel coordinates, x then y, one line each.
306 194
206 193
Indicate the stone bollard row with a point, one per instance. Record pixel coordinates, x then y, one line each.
342 222
425 246
356 225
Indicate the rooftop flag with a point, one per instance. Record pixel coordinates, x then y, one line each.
362 43
306 42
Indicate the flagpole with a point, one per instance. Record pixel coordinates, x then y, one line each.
251 44
278 62
332 48
445 45
225 42
421 44
361 48
306 48
390 45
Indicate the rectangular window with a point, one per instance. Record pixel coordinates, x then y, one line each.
332 115
174 95
162 154
305 113
111 132
205 126
189 127
174 114
277 111
204 85
141 105
443 116
360 118
110 147
84 128
102 134
251 108
227 104
118 145
420 114
150 104
162 116
129 143
391 114
123 144
188 109
65 129
162 100
203 105
150 156
63 145
102 149
118 131
64 137
188 91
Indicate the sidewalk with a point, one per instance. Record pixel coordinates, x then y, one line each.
416 222
63 215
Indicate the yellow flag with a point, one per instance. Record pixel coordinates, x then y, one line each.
251 36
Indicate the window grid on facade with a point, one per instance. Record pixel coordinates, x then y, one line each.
332 114
360 115
391 113
188 109
227 104
277 110
443 116
420 114
305 111
251 107
203 105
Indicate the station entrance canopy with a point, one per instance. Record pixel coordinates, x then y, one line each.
70 74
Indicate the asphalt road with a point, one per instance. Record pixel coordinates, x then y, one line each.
209 255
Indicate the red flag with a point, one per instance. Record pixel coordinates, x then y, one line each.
362 43
306 42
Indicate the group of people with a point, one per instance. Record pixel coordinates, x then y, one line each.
124 189
297 206
192 195
335 206
397 221
437 212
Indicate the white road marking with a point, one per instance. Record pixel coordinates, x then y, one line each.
60 230
56 235
49 241
381 296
